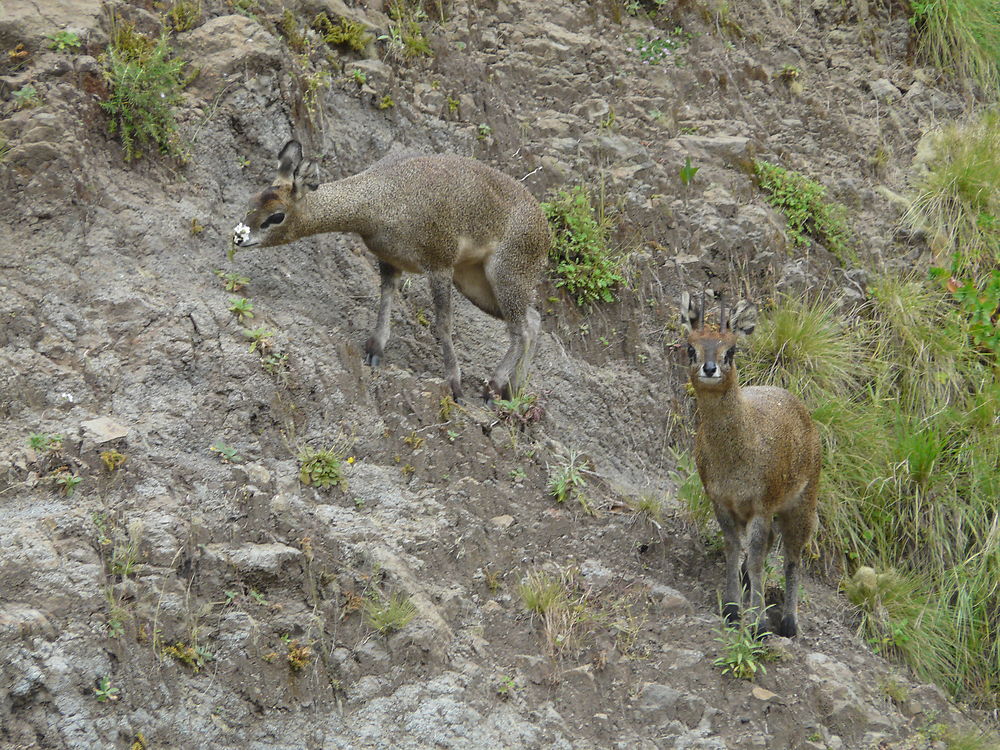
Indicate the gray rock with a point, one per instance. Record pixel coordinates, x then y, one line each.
883 90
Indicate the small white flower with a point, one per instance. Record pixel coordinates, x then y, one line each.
241 233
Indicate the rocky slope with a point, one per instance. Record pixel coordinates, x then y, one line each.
193 583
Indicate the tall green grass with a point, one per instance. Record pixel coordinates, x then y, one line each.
908 412
961 37
957 201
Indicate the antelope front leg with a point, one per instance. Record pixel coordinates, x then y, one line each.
734 549
441 282
758 546
377 341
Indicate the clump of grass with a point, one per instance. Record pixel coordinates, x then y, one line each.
144 83
183 15
406 34
566 480
802 346
571 614
388 614
899 618
743 652
288 27
585 266
960 37
911 470
957 200
344 32
808 213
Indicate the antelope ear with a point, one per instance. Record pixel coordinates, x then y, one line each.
690 317
289 159
743 318
306 177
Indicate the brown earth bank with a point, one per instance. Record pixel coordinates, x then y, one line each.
202 596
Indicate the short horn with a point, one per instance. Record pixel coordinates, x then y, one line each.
702 313
722 312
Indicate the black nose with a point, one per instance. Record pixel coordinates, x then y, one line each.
709 368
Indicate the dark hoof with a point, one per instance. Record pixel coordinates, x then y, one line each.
731 613
373 360
788 628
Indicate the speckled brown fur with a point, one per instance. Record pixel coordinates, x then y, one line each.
758 456
451 218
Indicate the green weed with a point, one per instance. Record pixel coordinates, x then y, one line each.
241 307
233 282
808 213
389 614
144 83
64 41
743 652
41 441
321 467
584 264
260 338
566 480
27 97
227 453
105 691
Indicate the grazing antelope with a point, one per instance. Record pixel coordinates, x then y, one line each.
758 456
451 218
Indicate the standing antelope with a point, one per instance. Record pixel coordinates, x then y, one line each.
451 218
758 456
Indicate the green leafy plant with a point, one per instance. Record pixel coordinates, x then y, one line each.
105 691
981 307
27 97
584 264
144 85
687 172
40 441
905 401
241 307
64 41
260 338
248 8
520 410
808 213
387 614
743 653
233 282
66 480
386 102
321 467
359 76
483 131
660 49
227 453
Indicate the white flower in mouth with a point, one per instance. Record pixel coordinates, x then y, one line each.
241 233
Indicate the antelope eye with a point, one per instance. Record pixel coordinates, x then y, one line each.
730 353
273 219
692 354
